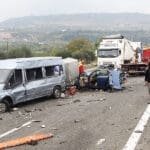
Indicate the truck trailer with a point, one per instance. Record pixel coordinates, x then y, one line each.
122 53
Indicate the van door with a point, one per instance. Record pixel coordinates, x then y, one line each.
16 87
35 83
54 76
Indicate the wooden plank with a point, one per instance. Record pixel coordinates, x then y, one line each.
24 140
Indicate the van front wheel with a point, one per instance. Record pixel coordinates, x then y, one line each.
57 92
4 106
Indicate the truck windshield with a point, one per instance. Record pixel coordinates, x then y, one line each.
4 73
108 53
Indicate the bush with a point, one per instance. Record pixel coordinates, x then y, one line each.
79 44
2 55
63 53
88 56
19 52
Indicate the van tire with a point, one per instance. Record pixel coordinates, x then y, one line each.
57 92
5 106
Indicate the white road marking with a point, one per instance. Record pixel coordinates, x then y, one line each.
136 134
16 129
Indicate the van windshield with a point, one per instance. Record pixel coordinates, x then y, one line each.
4 73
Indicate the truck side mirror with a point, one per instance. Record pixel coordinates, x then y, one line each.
119 52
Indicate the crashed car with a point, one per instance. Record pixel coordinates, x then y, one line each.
94 79
101 78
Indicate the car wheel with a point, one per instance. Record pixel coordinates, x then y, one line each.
57 92
4 106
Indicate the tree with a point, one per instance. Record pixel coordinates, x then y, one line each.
97 43
79 44
81 49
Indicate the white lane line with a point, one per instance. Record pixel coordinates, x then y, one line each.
15 129
136 134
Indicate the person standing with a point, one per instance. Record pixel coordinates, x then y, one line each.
81 74
147 77
81 67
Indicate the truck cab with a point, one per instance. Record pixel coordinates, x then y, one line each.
114 49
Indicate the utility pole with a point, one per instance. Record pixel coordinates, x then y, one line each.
7 45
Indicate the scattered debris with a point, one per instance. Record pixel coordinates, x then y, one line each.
102 99
129 129
15 109
76 101
33 139
54 129
62 142
63 95
130 89
76 121
33 143
33 110
101 141
91 101
60 104
138 131
27 110
43 126
37 109
20 113
37 121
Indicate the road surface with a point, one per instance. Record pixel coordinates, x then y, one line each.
90 120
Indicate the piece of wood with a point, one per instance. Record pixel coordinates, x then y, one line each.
24 140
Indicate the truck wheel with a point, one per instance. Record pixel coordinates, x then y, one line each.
4 106
57 92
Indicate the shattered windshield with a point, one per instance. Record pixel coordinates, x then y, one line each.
4 73
108 53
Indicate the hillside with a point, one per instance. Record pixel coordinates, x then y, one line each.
104 21
62 28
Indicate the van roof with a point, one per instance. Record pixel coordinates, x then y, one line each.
29 62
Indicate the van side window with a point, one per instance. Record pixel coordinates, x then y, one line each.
16 78
49 71
54 70
34 74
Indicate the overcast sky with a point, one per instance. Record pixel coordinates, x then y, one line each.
19 8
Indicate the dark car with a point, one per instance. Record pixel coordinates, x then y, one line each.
94 79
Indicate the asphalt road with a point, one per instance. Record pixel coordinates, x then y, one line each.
90 120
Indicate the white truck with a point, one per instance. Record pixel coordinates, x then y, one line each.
117 50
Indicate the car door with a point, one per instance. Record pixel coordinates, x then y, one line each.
16 87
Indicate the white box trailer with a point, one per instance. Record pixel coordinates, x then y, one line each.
71 69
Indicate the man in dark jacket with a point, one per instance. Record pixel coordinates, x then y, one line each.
147 77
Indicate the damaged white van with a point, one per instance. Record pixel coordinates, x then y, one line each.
24 79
